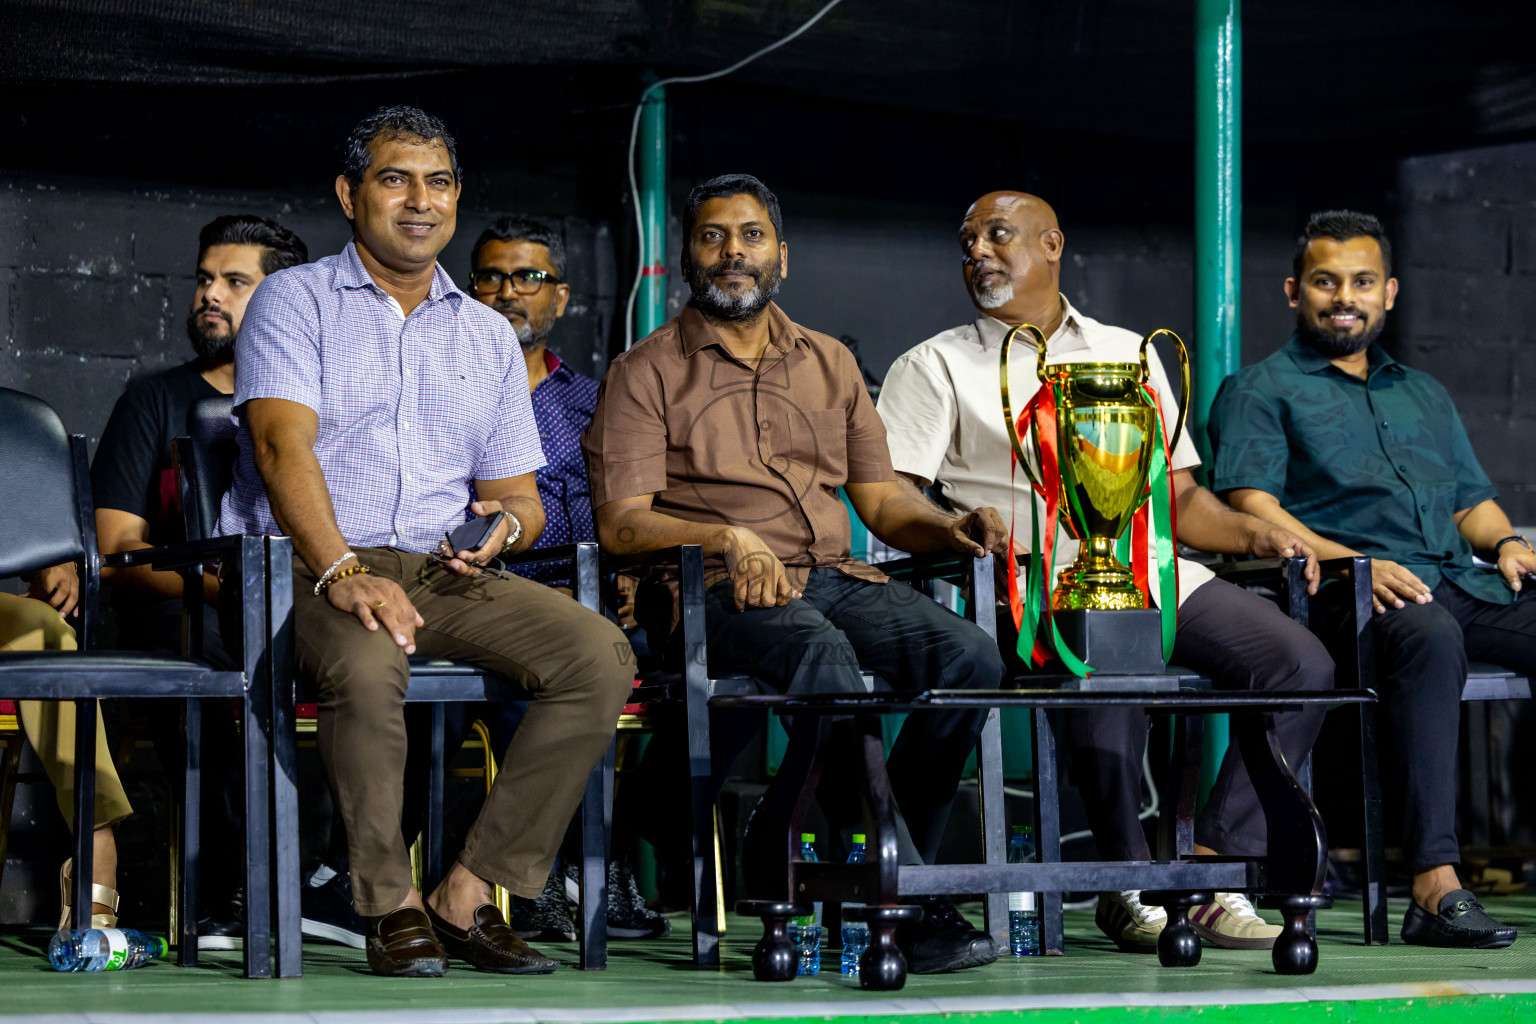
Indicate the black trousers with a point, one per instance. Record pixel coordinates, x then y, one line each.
818 644
1421 667
1243 642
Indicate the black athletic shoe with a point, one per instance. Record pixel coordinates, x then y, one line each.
223 927
546 918
328 913
943 940
1461 924
628 916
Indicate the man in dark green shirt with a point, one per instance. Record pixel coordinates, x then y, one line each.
1359 454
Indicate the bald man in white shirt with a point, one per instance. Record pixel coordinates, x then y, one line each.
943 412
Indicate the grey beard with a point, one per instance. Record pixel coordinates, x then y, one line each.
994 296
526 337
735 306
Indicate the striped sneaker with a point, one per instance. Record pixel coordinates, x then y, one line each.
1130 924
1232 923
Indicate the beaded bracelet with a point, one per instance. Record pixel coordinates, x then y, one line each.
351 570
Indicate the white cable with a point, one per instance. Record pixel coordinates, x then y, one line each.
634 131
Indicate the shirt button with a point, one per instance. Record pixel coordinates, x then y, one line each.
1402 469
409 478
766 425
407 371
1423 508
406 424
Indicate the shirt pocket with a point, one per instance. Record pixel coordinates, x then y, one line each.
819 447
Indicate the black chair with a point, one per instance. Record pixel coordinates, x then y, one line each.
1354 656
699 692
46 518
205 460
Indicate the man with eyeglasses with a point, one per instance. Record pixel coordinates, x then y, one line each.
378 407
518 268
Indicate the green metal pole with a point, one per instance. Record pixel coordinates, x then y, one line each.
651 157
1218 242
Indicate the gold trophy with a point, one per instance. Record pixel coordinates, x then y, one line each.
1105 432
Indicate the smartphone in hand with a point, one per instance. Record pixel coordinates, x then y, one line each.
472 535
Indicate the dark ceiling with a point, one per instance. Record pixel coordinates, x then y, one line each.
1333 72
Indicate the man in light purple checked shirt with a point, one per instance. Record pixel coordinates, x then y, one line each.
371 394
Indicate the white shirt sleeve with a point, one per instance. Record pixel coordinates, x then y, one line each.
918 407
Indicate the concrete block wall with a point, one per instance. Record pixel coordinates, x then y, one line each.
1466 310
96 279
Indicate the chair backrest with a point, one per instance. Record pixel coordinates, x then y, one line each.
41 493
207 463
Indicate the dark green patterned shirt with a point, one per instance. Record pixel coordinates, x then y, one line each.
1379 465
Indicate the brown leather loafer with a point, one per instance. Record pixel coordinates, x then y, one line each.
491 944
401 944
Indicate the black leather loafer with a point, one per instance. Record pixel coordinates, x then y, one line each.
401 945
491 945
1461 924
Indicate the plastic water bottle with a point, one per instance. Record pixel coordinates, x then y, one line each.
855 933
104 949
1023 919
806 931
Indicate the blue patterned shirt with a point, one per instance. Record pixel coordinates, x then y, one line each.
411 410
563 403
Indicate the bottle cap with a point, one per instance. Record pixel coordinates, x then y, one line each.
859 837
807 837
1019 830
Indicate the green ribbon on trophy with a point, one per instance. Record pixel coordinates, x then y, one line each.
1103 456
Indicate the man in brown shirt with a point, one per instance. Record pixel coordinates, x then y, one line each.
732 427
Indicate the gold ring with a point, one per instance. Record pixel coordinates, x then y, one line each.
381 604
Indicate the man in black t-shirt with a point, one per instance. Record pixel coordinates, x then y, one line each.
135 495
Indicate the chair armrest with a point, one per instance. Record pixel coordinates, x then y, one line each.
173 556
535 556
1251 572
955 566
644 559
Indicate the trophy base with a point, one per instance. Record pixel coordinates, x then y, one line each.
1098 583
1127 642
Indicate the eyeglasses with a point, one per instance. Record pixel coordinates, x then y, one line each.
485 572
525 280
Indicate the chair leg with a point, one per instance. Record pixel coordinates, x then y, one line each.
433 839
191 829
258 870
284 771
596 818
1373 888
85 810
994 826
10 767
1047 828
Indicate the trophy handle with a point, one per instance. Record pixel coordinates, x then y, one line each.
1146 375
1008 417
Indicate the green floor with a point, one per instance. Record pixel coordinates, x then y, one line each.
654 981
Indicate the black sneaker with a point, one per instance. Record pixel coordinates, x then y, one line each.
224 926
628 916
328 914
1461 924
545 919
943 940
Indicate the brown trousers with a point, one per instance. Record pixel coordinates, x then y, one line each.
28 625
573 666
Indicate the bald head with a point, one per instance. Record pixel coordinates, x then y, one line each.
1020 207
1011 256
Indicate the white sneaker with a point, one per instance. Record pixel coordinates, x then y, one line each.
1232 923
1130 924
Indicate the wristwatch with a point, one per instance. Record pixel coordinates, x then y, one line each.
517 531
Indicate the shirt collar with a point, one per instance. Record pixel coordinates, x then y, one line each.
1070 334
349 272
783 333
1310 360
